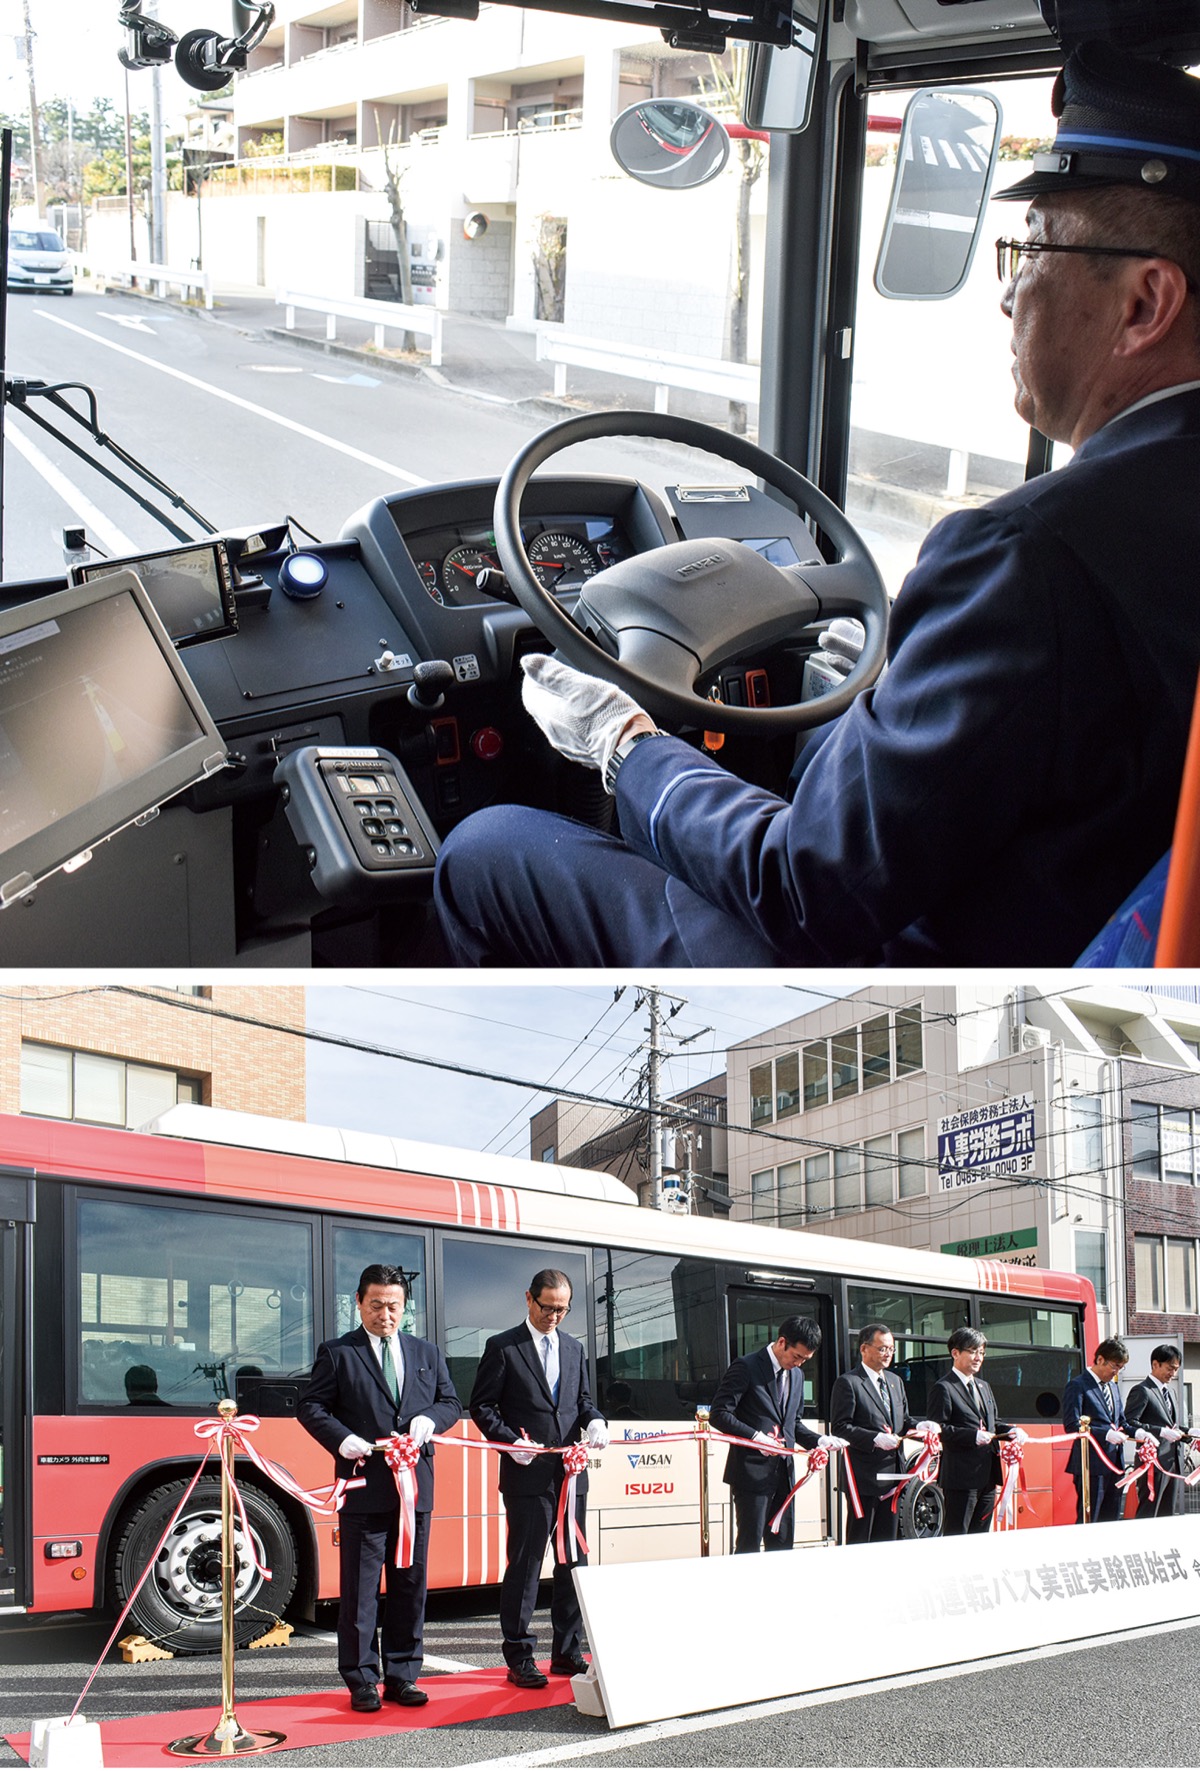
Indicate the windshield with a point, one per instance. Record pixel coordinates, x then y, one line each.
22 240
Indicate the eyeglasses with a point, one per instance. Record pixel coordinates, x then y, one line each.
551 1309
1009 254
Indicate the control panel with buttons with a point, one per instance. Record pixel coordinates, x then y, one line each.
357 815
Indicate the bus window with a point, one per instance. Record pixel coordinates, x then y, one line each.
657 1335
1029 1382
1028 1325
483 1288
362 1245
907 1312
172 1303
754 1322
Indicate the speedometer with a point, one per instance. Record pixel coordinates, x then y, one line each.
561 562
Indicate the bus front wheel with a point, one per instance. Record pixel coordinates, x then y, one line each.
179 1604
921 1510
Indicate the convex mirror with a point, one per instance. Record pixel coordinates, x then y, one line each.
944 168
669 143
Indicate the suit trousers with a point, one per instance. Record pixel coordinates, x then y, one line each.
530 1528
878 1523
368 1550
1108 1501
968 1510
753 1514
1167 1502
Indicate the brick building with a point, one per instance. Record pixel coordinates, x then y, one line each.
119 1055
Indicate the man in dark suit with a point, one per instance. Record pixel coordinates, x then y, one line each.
964 1407
869 1409
760 1398
1094 1393
531 1390
1150 1407
367 1385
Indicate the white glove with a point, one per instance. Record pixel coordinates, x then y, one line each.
1140 1435
1115 1436
597 1434
982 1438
524 1452
581 716
421 1428
767 1439
886 1441
926 1426
1018 1435
353 1447
829 1442
1170 1434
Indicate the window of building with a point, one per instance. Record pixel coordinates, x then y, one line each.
1091 1261
1143 1124
787 1085
61 1084
1165 1142
818 1195
878 1166
876 1052
760 1094
1178 1148
847 1180
910 1043
548 1153
1086 1129
1148 1287
911 1174
790 1199
1181 1277
816 1074
174 1301
762 1196
844 1061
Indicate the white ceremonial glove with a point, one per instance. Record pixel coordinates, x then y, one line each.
597 1434
421 1428
1141 1435
926 1426
1115 1436
524 1452
1018 1435
829 1442
581 716
767 1439
982 1438
1170 1434
353 1447
886 1441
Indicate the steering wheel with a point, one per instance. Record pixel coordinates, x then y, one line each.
673 614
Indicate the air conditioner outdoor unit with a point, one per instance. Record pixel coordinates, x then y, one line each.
1032 1038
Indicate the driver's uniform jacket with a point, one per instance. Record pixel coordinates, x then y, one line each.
1014 772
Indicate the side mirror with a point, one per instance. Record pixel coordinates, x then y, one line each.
779 82
944 168
669 143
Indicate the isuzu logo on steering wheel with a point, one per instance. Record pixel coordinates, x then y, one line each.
697 566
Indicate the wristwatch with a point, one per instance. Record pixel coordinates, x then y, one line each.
618 756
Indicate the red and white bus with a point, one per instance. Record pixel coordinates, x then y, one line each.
148 1275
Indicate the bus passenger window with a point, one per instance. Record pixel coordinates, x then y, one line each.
658 1323
484 1286
172 1301
363 1245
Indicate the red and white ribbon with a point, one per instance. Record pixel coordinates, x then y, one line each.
1012 1463
818 1458
926 1467
401 1452
569 1540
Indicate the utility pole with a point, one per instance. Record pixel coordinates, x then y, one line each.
658 1131
35 124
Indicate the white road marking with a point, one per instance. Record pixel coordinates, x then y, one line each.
303 430
620 1739
113 539
134 325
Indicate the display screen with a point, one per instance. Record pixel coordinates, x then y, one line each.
98 723
191 589
776 548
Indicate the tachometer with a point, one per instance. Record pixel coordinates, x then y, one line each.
462 566
560 561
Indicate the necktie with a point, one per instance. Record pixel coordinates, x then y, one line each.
389 1370
1170 1402
886 1400
781 1390
550 1361
973 1393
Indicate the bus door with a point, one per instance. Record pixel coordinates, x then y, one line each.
16 1217
754 1319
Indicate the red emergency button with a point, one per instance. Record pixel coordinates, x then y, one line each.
487 744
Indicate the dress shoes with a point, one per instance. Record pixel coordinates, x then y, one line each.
366 1699
568 1664
404 1691
527 1675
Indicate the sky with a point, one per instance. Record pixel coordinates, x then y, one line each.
75 50
549 1035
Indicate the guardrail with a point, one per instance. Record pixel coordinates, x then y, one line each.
163 276
666 369
379 314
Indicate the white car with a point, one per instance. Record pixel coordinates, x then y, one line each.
38 259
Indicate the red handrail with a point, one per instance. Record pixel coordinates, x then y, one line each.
1179 931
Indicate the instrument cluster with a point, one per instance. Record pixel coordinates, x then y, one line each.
459 565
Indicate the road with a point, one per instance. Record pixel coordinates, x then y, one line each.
250 429
1022 1710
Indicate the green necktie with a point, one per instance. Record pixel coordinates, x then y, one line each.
389 1369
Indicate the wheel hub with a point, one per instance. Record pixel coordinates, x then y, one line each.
188 1569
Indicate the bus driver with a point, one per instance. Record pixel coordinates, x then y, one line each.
1014 772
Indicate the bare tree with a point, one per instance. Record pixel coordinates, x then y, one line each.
393 180
720 89
550 267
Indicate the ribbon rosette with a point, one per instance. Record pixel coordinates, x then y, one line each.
1012 1463
401 1452
926 1467
818 1457
1145 1463
575 1459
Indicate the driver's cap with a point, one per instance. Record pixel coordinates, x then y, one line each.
1122 121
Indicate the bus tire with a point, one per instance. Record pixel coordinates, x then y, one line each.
921 1510
179 1603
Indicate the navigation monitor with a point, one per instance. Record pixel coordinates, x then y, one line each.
99 724
190 587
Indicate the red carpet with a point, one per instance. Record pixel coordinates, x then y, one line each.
325 1719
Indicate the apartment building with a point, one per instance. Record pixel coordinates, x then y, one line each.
1057 1128
682 1166
121 1055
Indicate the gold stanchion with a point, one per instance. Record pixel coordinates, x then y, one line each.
1085 1463
702 1442
228 1739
